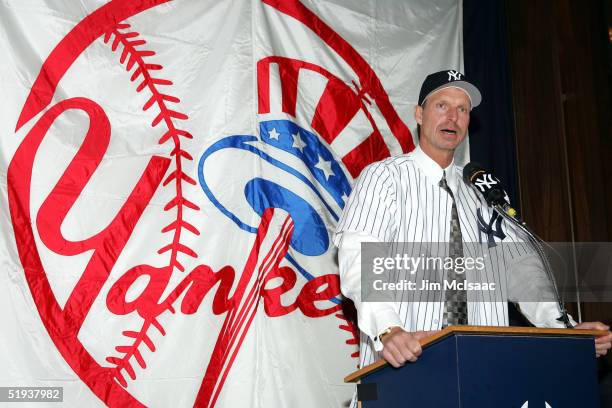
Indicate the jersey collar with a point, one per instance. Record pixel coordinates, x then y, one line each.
433 170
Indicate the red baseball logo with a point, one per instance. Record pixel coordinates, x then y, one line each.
63 324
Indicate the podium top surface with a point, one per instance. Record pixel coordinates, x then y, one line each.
476 330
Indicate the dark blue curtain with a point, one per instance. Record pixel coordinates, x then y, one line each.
492 142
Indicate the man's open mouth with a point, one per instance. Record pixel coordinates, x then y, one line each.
449 131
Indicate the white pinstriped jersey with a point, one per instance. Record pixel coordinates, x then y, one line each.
399 200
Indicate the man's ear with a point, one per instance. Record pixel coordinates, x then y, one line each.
418 114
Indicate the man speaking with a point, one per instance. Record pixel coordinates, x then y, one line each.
421 197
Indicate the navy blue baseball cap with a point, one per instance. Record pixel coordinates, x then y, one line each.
449 78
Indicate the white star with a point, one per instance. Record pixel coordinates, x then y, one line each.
273 134
298 142
325 167
344 197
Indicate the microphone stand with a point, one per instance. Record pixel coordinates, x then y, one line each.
537 242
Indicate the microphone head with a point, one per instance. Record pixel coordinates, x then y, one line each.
485 182
471 170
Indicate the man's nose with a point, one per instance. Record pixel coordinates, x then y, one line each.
452 114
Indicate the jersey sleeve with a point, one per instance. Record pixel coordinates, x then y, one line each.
371 207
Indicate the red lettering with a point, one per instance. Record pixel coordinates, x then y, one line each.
322 287
272 297
146 304
108 243
202 279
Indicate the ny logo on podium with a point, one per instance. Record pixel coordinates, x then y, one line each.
526 405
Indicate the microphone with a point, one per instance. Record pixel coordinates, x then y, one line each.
489 186
497 198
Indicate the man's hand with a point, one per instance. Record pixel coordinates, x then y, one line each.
602 343
400 346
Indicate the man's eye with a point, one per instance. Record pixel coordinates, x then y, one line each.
441 105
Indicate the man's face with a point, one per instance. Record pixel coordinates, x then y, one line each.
444 120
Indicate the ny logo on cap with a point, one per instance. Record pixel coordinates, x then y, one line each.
454 75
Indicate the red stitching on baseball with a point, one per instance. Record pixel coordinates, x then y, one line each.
132 351
349 327
132 56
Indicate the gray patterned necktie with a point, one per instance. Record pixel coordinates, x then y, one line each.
455 301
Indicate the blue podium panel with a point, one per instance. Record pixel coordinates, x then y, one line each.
507 371
491 370
431 382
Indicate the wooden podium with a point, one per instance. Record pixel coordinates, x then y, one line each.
479 366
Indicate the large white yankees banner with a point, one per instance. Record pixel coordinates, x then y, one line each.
171 172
